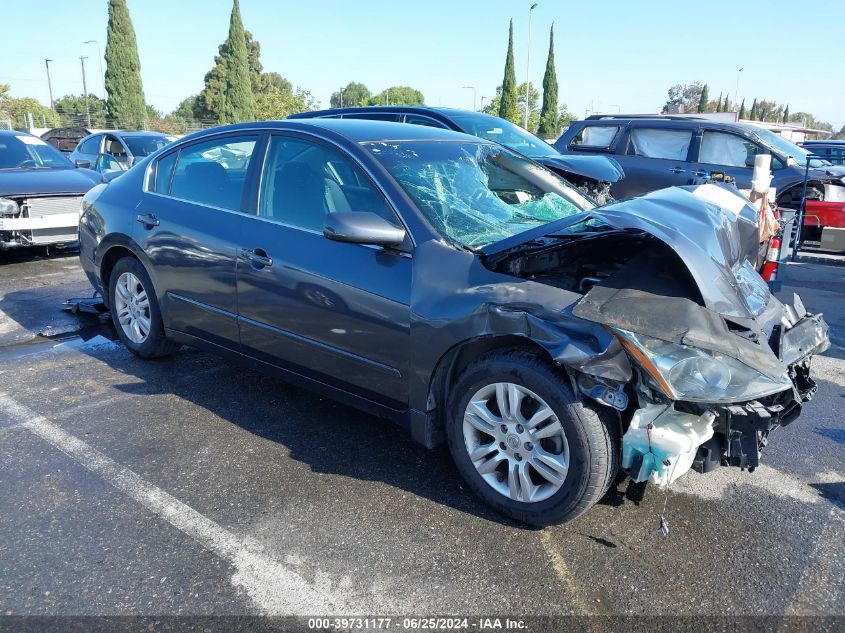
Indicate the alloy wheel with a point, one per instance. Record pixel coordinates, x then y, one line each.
132 306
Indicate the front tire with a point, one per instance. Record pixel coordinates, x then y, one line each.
135 311
524 444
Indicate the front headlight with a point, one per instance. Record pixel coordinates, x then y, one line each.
695 375
8 207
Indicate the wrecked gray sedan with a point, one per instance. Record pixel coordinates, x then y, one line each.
466 292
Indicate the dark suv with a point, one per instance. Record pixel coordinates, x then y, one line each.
594 175
663 151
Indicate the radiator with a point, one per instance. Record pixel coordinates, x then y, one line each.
47 208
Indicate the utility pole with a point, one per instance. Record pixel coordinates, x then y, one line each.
99 59
82 59
528 66
473 94
387 97
341 96
736 94
482 101
50 85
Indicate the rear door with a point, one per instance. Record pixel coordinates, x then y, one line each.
334 311
188 224
654 157
730 153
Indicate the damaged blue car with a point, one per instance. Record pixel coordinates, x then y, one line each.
465 292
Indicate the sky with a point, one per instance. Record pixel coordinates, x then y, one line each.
611 56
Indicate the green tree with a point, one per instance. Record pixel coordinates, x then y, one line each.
278 103
726 106
683 97
742 112
17 110
397 95
126 105
719 104
354 94
534 114
754 112
509 102
786 114
549 126
840 134
71 108
703 100
228 96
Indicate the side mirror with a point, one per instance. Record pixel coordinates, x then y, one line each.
362 227
82 164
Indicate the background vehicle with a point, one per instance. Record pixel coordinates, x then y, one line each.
658 152
456 287
592 174
40 192
118 149
831 150
65 139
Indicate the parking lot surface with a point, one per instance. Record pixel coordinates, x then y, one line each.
192 486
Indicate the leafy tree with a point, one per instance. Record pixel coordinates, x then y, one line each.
509 101
126 105
754 113
534 114
683 97
228 95
549 126
742 112
278 103
17 109
354 94
703 100
810 121
397 95
71 108
840 133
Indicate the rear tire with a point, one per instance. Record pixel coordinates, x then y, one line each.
580 442
135 311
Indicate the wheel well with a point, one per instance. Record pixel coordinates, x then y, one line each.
109 260
460 356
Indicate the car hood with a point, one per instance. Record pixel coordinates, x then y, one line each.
599 168
836 171
22 182
713 229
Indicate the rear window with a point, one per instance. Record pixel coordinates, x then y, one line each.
600 136
660 143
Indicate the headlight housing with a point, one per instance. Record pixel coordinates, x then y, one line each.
8 207
695 375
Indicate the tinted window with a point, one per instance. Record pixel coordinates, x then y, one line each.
600 136
163 172
660 143
416 119
373 116
144 145
91 145
214 172
28 152
505 133
730 150
304 181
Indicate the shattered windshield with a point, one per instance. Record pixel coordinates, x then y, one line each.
477 193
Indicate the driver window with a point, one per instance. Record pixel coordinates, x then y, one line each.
113 147
729 150
305 181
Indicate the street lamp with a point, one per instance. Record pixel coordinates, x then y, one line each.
473 94
341 96
50 85
482 101
528 66
736 94
99 59
82 59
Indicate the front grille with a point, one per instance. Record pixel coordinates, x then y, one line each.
44 207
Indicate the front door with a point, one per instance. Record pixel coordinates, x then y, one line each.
334 311
188 225
731 154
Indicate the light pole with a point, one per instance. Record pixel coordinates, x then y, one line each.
473 94
528 66
99 59
736 94
82 59
341 96
482 101
50 85
387 97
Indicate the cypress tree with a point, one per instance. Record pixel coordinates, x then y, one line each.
742 110
228 96
754 113
704 99
726 106
126 105
509 103
786 114
548 114
719 103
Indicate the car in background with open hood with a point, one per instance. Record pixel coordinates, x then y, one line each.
40 192
465 292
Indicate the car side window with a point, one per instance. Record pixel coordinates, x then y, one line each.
214 172
304 181
163 172
373 116
730 150
659 143
417 119
598 136
90 145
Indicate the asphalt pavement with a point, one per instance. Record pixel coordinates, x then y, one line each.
192 486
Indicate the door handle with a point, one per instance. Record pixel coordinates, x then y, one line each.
700 173
678 170
257 257
149 220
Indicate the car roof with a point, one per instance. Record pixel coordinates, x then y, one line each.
354 130
15 133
